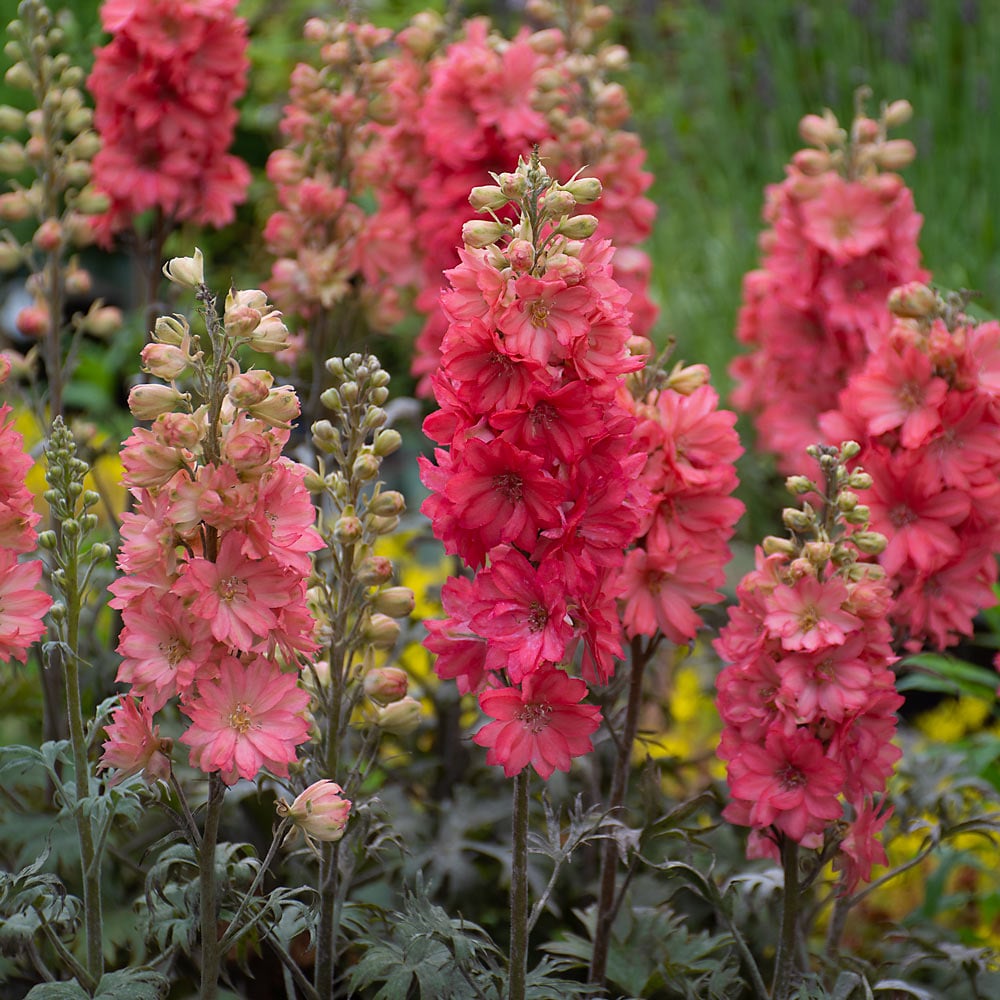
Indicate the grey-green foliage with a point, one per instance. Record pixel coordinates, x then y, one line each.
653 953
128 984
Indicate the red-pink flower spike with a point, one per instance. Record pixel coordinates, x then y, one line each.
22 605
535 485
925 409
690 473
215 553
165 89
808 700
842 233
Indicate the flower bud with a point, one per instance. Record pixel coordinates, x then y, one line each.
521 255
849 450
685 379
103 321
858 515
178 430
860 480
579 227
400 718
387 504
90 201
796 520
812 162
914 300
846 500
898 113
326 437
386 684
895 154
270 335
165 361
366 466
487 196
15 206
818 553
819 131
250 388
386 442
558 203
479 233
396 602
584 190
171 330
186 271
870 542
374 570
33 321
513 186
11 119
772 545
380 631
382 525
147 402
279 409
12 158
320 812
348 529
797 485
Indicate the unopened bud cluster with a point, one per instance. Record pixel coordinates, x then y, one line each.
357 605
860 151
833 530
48 151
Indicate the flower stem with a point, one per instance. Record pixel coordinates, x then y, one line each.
519 891
785 962
326 942
90 862
606 906
211 953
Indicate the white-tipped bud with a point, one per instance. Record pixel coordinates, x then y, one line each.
186 271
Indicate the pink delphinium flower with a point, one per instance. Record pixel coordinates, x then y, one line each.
251 718
807 699
22 606
320 811
165 88
134 744
17 514
842 233
926 417
542 723
545 521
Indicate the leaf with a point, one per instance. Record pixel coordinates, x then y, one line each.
898 986
948 674
58 991
852 986
132 984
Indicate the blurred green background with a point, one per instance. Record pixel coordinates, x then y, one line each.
718 87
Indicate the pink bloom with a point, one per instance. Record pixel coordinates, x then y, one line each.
860 849
320 811
22 606
542 723
546 318
522 611
250 718
899 390
847 220
17 513
790 781
236 595
134 744
809 614
502 494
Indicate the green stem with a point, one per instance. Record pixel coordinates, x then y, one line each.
90 862
211 952
606 901
519 891
234 932
785 963
326 942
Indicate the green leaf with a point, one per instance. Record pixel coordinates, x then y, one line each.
947 674
58 991
898 986
132 984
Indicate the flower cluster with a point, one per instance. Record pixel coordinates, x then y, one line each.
843 233
535 486
925 409
59 201
356 605
690 473
22 605
164 90
321 236
215 553
808 700
422 126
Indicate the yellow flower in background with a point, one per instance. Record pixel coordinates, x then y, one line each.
954 718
